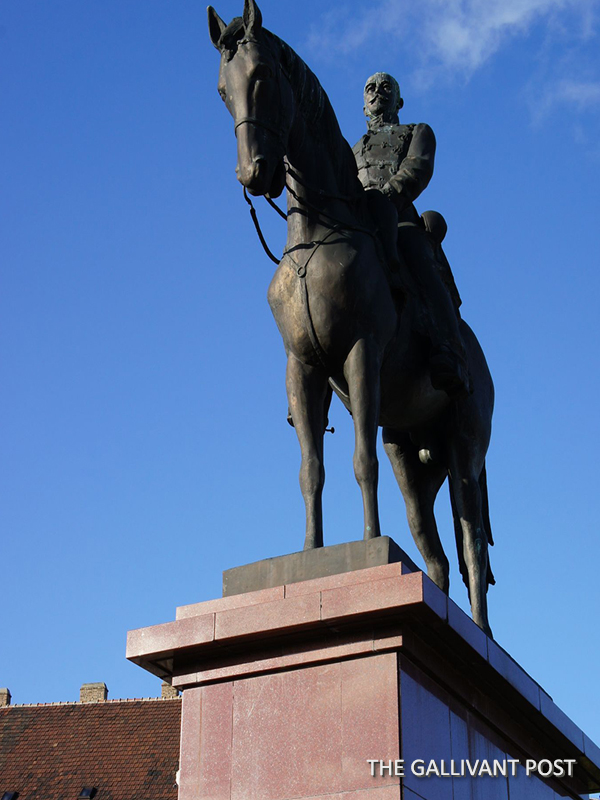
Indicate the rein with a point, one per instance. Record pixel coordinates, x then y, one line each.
261 237
300 269
338 224
275 130
281 213
345 198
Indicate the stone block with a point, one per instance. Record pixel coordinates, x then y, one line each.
233 601
288 691
381 596
171 636
290 614
317 563
514 674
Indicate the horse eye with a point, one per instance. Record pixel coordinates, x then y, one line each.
262 72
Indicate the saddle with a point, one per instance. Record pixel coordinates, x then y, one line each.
383 220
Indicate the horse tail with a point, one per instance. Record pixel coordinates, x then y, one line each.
486 524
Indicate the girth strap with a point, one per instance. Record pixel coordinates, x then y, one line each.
301 270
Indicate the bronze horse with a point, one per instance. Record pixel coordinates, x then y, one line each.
341 327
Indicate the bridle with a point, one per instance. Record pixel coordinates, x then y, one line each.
261 124
338 224
274 129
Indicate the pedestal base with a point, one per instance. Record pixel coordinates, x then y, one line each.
318 563
289 691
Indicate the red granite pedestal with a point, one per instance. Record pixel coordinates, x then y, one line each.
289 691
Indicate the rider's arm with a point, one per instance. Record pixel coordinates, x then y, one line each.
416 169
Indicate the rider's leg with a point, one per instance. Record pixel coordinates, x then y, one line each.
384 219
447 362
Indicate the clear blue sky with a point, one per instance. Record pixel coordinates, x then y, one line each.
145 447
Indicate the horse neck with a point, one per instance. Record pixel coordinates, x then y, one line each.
316 194
322 166
309 156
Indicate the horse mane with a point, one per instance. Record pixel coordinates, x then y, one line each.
313 103
318 114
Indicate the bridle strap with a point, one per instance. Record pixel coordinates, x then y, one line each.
345 198
260 123
320 213
274 129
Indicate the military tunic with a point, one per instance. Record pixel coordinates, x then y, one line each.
397 160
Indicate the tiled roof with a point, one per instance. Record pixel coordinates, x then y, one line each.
128 750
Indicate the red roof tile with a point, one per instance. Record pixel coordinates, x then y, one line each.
128 750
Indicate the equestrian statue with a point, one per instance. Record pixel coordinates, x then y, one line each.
364 297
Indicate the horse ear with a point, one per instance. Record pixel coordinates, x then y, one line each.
252 17
216 26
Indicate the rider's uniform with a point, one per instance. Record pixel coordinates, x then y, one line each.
398 161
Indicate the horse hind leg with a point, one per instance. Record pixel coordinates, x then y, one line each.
472 540
309 397
361 371
419 483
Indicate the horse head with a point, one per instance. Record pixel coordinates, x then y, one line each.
258 97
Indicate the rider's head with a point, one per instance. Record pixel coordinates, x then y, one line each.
382 98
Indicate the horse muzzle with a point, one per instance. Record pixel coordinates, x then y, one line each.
255 175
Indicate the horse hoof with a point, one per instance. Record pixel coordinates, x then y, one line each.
440 579
485 627
312 544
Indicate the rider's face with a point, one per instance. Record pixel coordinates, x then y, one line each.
379 96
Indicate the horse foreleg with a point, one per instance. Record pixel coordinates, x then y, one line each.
467 504
308 398
419 484
361 371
